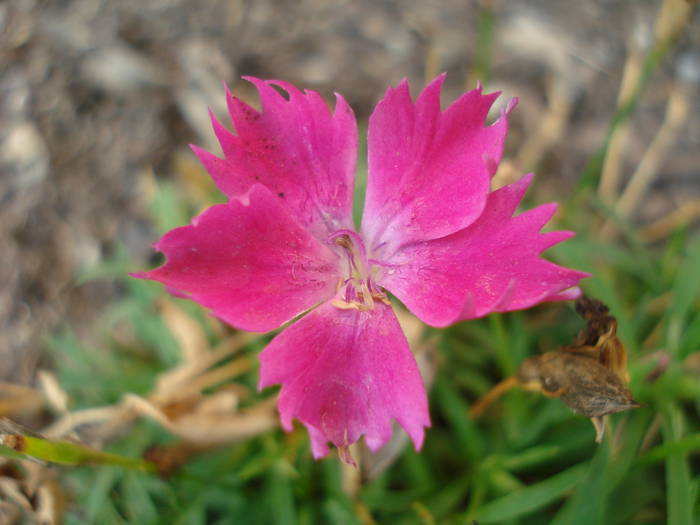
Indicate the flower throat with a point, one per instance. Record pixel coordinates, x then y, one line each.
356 288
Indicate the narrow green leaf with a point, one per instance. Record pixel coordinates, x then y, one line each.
97 499
456 413
11 453
683 445
678 487
72 454
484 44
686 289
531 498
532 457
279 496
588 502
137 500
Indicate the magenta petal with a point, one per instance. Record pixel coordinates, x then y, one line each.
297 148
491 266
344 374
429 171
253 265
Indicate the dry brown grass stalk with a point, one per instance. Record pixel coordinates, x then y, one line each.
676 114
611 173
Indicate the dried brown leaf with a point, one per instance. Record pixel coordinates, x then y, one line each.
187 331
590 375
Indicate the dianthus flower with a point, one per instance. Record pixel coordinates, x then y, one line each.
284 246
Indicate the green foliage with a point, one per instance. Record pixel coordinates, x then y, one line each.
529 460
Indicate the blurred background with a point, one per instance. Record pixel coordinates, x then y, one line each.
100 99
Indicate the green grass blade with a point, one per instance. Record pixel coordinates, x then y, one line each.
533 497
681 446
67 453
588 503
679 495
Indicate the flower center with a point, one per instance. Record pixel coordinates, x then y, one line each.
356 289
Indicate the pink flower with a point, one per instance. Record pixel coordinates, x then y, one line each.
433 234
